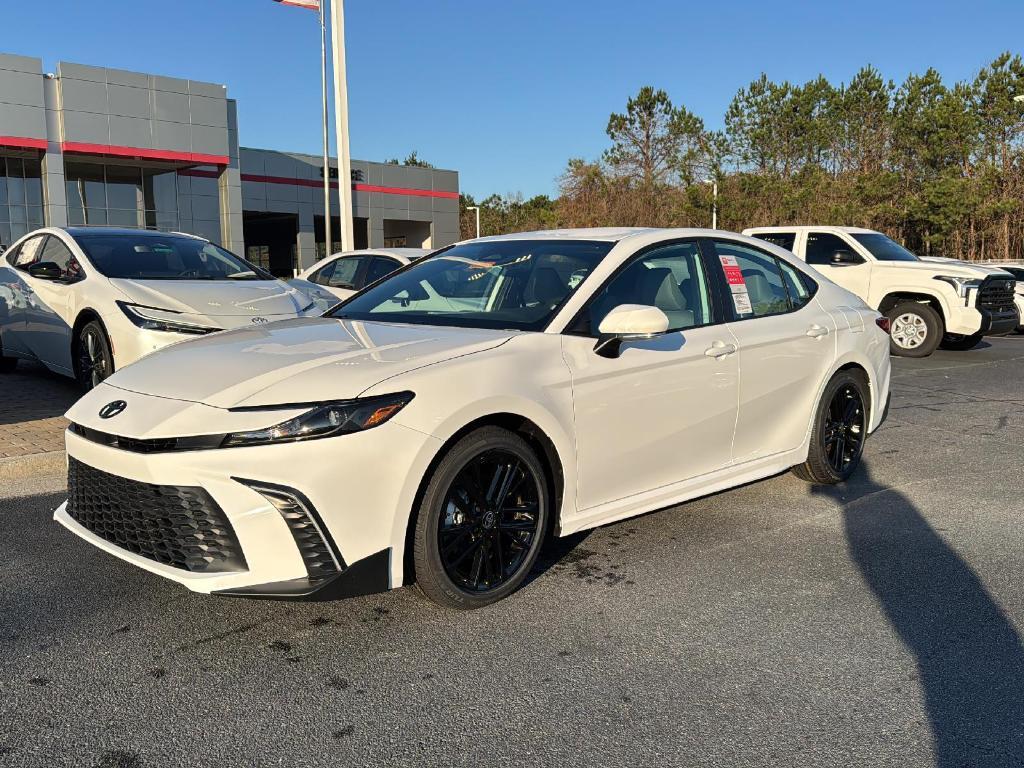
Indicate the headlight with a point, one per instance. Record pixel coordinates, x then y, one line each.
962 285
143 317
326 420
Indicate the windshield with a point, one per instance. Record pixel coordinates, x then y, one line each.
884 248
148 256
507 284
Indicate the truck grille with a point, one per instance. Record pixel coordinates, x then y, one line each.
179 526
996 295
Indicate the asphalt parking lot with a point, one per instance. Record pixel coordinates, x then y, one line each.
877 623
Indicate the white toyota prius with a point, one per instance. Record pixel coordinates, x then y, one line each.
438 426
86 301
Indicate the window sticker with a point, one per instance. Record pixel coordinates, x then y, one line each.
737 285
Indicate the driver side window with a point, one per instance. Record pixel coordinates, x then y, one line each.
28 253
670 278
55 251
822 246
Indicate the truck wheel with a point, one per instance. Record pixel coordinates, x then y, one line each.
840 428
916 329
956 342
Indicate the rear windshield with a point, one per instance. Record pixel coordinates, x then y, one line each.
884 248
159 257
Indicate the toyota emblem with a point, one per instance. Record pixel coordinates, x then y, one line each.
260 320
110 410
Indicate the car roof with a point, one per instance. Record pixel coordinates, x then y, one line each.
402 253
608 234
75 231
805 227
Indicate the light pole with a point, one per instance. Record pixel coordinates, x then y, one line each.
341 124
477 209
714 201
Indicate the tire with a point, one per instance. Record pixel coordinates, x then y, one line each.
955 342
463 527
94 360
918 326
849 390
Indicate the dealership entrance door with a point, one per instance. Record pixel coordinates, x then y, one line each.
270 241
406 234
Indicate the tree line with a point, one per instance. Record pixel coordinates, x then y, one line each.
937 166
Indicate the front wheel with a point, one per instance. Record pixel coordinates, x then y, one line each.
94 360
840 428
915 329
482 520
956 342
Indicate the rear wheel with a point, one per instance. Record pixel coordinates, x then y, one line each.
956 342
840 428
94 360
915 329
482 520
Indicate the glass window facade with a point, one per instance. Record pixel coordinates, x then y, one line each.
21 197
132 196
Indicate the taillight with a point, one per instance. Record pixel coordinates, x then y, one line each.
883 323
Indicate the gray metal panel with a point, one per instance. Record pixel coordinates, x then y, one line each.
17 63
21 88
252 160
280 164
81 72
446 204
393 176
128 101
125 77
286 192
131 132
18 120
395 214
210 141
207 111
170 106
86 127
176 137
83 95
417 203
254 203
445 181
213 90
174 84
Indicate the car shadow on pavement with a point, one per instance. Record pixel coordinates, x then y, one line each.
33 393
969 655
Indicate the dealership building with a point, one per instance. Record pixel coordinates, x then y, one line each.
91 145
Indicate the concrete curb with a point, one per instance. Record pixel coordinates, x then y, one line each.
32 465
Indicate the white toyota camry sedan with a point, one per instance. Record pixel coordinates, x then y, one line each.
86 301
437 427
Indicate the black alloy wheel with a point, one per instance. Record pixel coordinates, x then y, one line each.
94 360
481 520
844 428
489 522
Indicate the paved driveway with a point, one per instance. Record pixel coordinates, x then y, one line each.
875 624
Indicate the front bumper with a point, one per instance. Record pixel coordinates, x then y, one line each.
999 323
361 486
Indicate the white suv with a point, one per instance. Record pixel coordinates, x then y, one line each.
929 302
85 301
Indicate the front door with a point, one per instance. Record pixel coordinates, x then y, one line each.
48 311
664 409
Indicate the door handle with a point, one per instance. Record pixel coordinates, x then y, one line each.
719 349
817 331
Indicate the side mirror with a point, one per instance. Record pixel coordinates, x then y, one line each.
46 270
627 322
846 258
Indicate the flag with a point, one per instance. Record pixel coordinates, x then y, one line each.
313 5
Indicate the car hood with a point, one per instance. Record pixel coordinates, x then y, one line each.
303 360
945 267
216 298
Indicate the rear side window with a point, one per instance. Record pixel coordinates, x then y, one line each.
822 246
782 239
380 266
757 282
28 253
57 252
799 287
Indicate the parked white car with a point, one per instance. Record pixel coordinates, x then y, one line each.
339 276
437 426
86 301
930 302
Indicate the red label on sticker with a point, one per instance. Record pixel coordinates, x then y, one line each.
733 275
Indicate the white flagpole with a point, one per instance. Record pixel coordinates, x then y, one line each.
327 149
341 123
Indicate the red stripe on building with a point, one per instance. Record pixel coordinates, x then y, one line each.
110 150
318 184
22 142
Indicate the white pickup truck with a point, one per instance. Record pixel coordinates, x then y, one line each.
928 301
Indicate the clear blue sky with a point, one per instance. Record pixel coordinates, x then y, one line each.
505 91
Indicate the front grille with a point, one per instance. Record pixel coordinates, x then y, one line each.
996 295
179 526
148 445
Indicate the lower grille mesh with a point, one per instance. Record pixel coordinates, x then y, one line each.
179 526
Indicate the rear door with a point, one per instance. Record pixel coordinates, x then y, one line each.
17 293
786 346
